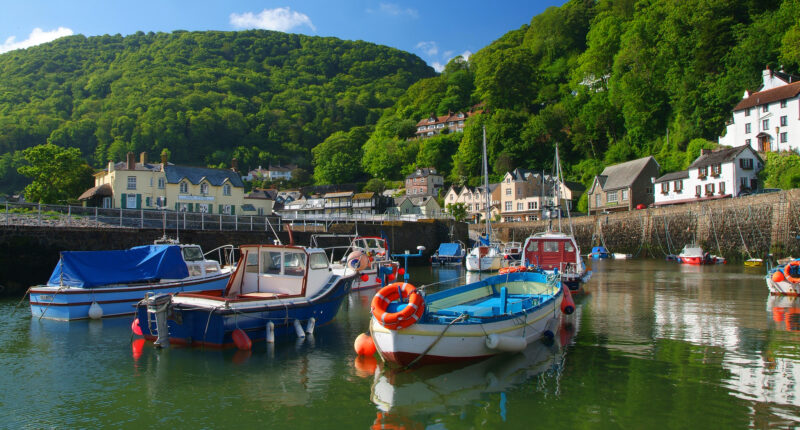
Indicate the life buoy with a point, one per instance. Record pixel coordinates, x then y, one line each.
406 317
787 271
512 269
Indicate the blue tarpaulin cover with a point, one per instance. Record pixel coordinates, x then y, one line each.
449 250
599 250
89 269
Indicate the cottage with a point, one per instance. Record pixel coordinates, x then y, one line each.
425 181
623 186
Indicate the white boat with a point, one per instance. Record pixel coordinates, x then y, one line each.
501 313
486 256
620 256
693 254
512 251
784 279
380 264
98 284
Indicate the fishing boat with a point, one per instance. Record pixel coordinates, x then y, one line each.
449 253
555 251
784 279
486 256
274 291
501 313
376 250
97 284
693 254
753 262
599 253
512 251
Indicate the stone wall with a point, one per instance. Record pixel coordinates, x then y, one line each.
735 228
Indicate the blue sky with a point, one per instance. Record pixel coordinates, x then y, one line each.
436 31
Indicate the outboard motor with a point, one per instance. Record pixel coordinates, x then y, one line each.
158 306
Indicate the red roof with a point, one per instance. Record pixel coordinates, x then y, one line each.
769 96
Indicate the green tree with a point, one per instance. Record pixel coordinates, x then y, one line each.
458 211
58 174
336 158
375 185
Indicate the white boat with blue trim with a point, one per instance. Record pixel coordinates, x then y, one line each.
97 284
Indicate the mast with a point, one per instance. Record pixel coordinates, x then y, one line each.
559 181
486 184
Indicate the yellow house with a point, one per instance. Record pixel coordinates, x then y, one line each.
132 185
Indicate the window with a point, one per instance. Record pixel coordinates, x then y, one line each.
161 202
783 103
765 124
184 187
203 208
147 201
624 195
722 188
746 163
765 108
698 190
665 188
508 191
743 182
318 260
716 169
294 263
519 206
131 182
784 121
702 172
106 202
747 128
271 262
568 247
611 196
747 142
204 188
784 137
533 246
161 183
678 185
747 112
709 189
597 200
532 205
550 246
226 209
131 202
508 206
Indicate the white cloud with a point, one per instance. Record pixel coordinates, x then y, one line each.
37 37
395 10
466 55
279 19
439 67
429 48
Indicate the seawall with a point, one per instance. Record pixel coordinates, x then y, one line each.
735 228
28 254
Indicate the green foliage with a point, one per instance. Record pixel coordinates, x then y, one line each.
375 185
458 211
334 159
781 170
58 174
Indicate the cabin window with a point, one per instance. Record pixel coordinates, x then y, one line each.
318 261
294 264
533 246
550 246
251 266
271 262
192 253
568 247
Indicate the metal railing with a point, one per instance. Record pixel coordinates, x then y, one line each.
362 217
34 214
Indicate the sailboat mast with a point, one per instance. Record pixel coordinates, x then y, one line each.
486 183
559 182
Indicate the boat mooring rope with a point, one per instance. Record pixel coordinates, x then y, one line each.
21 300
714 230
427 350
736 218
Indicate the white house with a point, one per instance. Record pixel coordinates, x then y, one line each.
769 119
713 175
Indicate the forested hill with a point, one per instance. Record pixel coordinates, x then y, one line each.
605 79
260 96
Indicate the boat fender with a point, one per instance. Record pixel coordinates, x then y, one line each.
241 339
298 328
364 345
567 304
312 322
270 332
357 261
506 343
136 328
778 276
95 311
550 328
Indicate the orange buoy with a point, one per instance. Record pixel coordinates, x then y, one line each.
135 327
241 339
567 304
365 365
778 276
364 345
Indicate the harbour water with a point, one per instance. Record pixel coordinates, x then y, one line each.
653 344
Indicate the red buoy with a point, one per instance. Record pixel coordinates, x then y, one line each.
364 345
567 304
390 277
241 339
135 327
401 271
364 278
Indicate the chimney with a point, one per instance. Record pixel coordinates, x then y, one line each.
143 158
705 151
131 161
234 164
110 166
163 159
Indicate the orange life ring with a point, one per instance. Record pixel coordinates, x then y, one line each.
408 316
787 271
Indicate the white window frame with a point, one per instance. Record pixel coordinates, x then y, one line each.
131 182
183 187
204 188
611 197
162 183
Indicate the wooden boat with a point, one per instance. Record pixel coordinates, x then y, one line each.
501 313
449 253
556 252
784 279
374 248
96 284
276 290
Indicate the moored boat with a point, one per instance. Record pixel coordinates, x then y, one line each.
377 252
486 256
693 254
501 313
512 251
556 252
449 253
621 256
96 284
784 279
276 290
599 253
753 262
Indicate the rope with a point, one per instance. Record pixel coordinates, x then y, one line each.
424 353
21 300
714 230
736 218
641 243
666 233
51 302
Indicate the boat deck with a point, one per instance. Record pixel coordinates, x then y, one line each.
492 306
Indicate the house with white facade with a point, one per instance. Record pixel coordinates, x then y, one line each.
713 175
768 119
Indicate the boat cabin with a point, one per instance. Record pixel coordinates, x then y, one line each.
551 252
196 262
283 271
370 245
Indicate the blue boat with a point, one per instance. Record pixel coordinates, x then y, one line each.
275 291
96 284
449 253
599 253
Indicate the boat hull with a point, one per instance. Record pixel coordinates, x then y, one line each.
486 264
783 288
72 303
211 323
